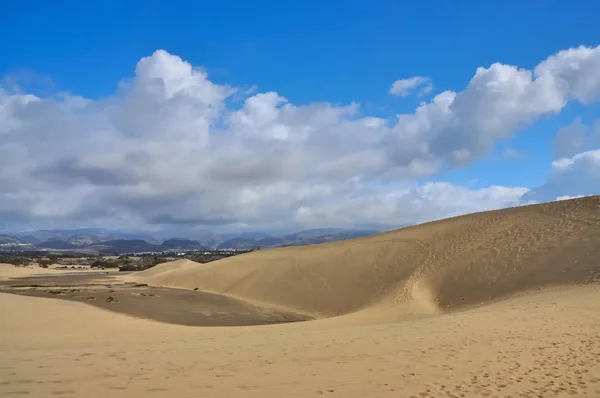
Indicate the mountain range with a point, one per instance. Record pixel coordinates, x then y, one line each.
100 241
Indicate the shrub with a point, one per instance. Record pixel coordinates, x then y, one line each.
44 263
14 260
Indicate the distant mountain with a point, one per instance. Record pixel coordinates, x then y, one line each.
81 237
210 240
239 244
250 243
29 239
118 246
136 235
95 240
307 237
9 240
114 246
181 243
58 234
272 241
315 233
56 244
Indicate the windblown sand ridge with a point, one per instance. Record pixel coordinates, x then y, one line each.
427 268
542 344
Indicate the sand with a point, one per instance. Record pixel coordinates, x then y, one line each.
425 269
541 345
498 304
179 306
9 271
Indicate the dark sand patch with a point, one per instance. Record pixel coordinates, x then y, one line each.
178 306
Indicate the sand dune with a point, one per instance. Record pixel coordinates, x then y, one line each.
543 345
484 328
429 268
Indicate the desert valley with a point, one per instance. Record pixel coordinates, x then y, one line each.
495 304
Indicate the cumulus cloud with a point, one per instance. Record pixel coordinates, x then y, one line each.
576 137
168 148
405 87
572 177
382 206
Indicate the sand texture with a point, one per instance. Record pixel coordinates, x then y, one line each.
496 304
428 268
536 346
178 306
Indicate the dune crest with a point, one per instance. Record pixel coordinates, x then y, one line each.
423 269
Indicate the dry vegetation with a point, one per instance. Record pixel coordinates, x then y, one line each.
123 263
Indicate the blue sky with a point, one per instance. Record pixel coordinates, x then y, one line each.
310 52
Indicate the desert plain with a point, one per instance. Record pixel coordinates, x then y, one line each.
497 304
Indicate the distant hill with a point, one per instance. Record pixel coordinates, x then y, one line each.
9 240
29 239
59 234
124 246
238 243
80 237
315 233
181 243
302 238
272 241
210 240
56 244
94 240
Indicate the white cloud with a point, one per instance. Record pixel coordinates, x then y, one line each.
167 149
389 206
567 197
572 74
576 137
404 87
572 177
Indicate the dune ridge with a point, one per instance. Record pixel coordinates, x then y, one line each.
423 269
542 344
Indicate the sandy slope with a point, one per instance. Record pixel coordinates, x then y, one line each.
503 338
428 268
541 345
